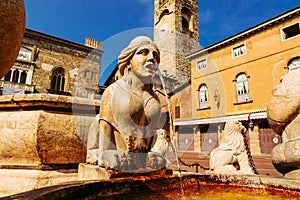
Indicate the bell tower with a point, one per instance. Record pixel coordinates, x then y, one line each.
176 34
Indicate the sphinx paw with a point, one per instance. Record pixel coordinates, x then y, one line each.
155 161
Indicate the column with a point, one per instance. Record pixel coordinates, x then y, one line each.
12 74
20 73
29 77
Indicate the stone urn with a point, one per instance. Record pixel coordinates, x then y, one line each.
12 27
284 118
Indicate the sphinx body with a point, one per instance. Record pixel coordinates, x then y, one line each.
130 114
230 157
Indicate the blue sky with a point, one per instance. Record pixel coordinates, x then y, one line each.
116 22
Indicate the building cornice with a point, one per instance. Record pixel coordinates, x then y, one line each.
58 41
253 30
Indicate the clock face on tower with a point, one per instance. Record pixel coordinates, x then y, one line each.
295 64
163 30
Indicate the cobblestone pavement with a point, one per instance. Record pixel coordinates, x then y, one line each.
263 163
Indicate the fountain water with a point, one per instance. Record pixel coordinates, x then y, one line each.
172 127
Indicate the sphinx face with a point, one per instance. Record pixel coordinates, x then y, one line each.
144 62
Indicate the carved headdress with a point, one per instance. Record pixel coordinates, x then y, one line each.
126 55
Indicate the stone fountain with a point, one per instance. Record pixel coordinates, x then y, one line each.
126 151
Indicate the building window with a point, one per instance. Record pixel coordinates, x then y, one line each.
177 112
186 17
23 77
203 96
7 76
25 54
290 31
15 76
294 64
239 51
202 64
242 88
18 79
58 80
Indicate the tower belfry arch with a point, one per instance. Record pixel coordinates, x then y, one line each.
176 33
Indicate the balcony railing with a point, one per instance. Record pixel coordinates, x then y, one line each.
17 86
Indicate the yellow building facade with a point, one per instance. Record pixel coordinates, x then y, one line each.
233 80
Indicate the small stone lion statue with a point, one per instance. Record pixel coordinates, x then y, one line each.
230 157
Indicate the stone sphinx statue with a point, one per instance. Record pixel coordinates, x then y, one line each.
230 157
124 133
283 117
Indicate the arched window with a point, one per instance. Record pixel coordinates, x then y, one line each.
58 80
185 24
242 88
186 17
203 96
294 64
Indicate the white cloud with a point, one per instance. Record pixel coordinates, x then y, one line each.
205 17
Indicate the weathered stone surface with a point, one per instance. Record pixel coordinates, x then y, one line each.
15 181
284 119
160 185
94 172
80 65
286 156
295 174
284 105
40 129
39 137
130 113
12 27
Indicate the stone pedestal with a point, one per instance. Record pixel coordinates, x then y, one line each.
94 172
44 129
43 139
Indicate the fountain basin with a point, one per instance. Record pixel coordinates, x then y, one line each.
157 187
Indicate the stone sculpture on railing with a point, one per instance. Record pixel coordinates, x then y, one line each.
230 157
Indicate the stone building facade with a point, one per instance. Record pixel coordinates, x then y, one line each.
49 101
48 64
